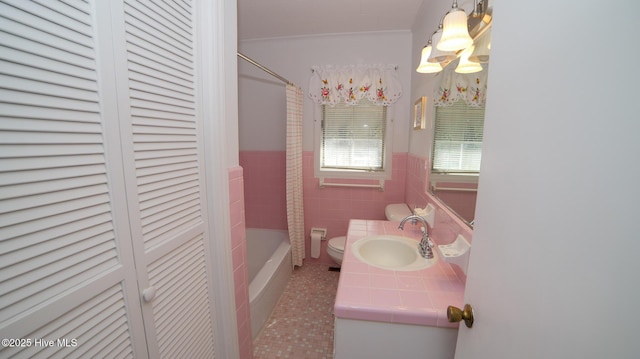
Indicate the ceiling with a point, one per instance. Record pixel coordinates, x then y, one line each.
258 19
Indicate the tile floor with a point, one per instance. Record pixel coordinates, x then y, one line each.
301 324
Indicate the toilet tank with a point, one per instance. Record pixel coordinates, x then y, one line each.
397 211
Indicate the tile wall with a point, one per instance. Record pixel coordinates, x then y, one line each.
239 255
332 207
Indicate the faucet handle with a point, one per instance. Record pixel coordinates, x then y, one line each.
425 249
426 243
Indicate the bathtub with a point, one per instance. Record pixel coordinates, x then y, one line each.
269 268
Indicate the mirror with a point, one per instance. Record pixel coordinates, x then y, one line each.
456 143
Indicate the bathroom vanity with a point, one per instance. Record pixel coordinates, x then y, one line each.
381 313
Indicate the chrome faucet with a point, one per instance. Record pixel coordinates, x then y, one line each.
425 243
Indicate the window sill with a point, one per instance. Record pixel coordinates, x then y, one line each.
353 174
455 177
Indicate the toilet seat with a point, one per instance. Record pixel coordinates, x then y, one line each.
337 243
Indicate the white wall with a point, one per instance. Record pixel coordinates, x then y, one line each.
262 105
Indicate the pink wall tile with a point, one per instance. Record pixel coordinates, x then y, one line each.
331 207
239 255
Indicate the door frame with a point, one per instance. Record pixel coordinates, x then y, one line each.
217 68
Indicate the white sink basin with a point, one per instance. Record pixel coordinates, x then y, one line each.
391 252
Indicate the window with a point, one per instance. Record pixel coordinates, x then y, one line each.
353 141
353 137
457 142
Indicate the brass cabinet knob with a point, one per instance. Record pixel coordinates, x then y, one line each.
455 315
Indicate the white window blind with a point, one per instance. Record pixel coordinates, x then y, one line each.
353 137
457 143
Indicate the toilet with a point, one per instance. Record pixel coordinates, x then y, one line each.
397 212
393 212
335 248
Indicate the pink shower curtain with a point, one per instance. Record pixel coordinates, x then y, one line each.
295 212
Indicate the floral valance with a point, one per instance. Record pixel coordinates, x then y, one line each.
451 86
330 85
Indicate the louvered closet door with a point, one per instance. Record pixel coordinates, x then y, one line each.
66 264
164 175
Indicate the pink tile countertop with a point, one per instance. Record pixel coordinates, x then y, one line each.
418 297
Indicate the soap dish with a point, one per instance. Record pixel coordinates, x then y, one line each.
428 213
456 252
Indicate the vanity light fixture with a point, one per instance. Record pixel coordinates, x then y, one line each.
425 66
455 33
435 55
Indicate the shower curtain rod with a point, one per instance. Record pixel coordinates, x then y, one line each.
256 64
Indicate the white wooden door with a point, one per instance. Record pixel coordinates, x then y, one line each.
156 75
66 265
554 266
102 237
